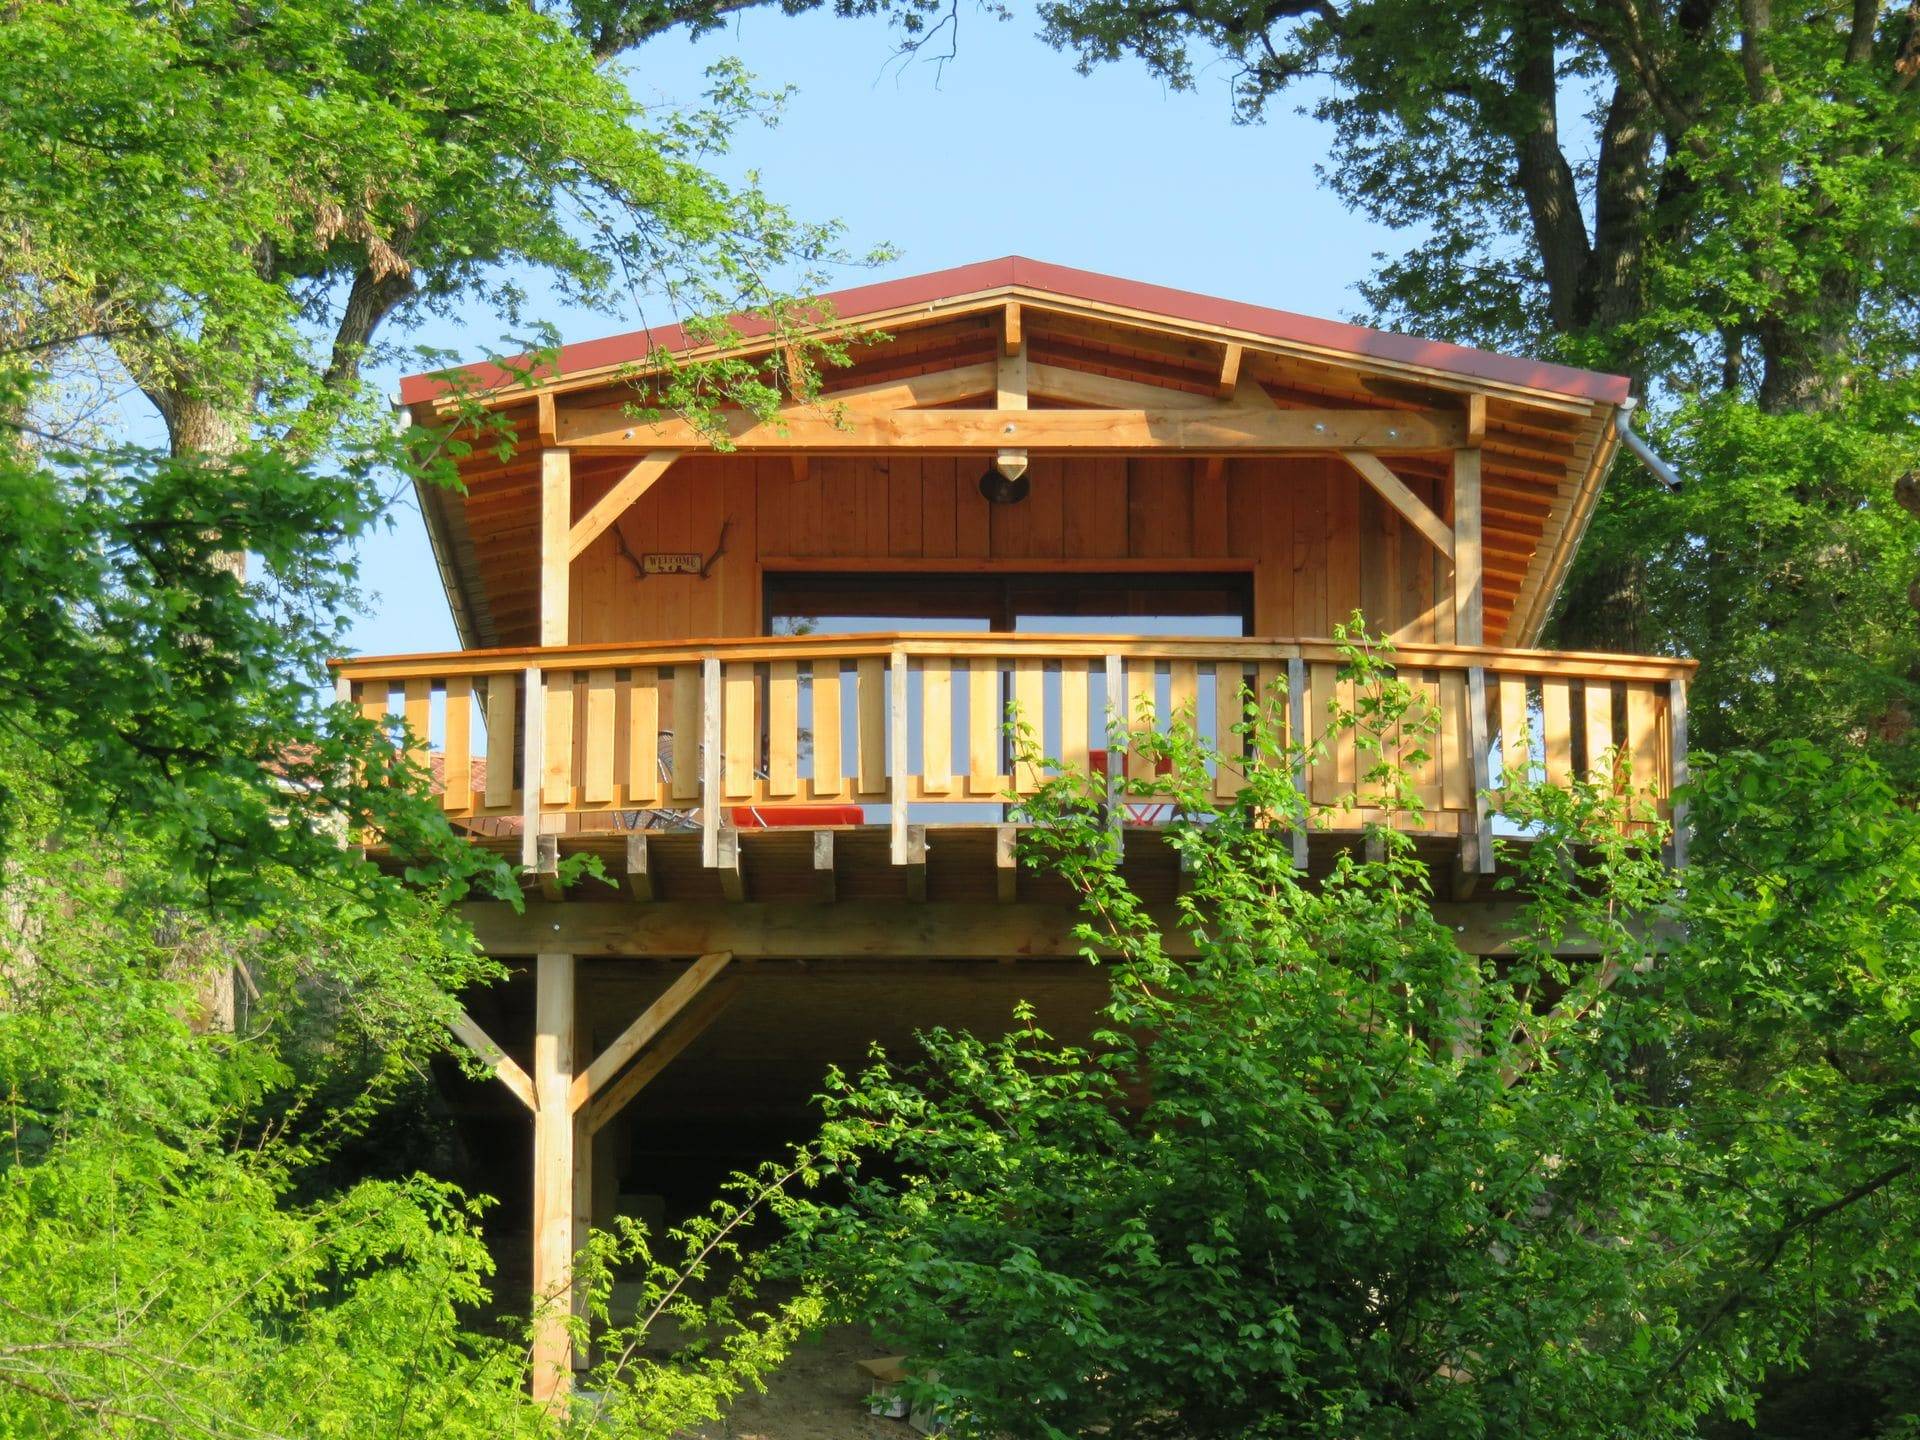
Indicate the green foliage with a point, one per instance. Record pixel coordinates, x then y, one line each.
317 169
224 204
1320 1174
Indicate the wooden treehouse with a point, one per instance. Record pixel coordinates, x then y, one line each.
767 685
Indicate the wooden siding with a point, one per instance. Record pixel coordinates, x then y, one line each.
1318 541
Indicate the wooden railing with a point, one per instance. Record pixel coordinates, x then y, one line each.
916 722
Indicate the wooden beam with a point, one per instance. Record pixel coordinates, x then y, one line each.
641 1033
1230 357
1395 492
872 930
1469 581
1083 387
617 1096
505 1068
553 1239
625 492
1476 419
940 387
640 881
1012 340
545 421
556 523
1006 864
1260 428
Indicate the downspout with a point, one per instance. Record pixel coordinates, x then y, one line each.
1623 422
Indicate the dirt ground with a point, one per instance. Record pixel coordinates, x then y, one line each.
817 1395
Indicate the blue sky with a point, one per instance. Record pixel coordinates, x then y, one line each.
1005 150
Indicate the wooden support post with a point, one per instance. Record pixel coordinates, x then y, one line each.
897 754
1006 864
1468 585
533 763
556 524
710 760
825 879
640 882
553 1177
1677 765
1297 733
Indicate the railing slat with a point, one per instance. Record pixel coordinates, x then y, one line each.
417 694
1426 776
643 737
783 729
1229 710
1598 714
596 777
502 743
1073 714
983 726
686 732
1142 713
457 749
1325 778
829 771
1029 698
739 744
1183 692
936 725
1556 725
1516 732
870 699
1643 737
1456 731
556 773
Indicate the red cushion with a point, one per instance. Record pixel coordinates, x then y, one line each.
769 817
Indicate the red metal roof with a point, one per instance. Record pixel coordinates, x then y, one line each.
1014 270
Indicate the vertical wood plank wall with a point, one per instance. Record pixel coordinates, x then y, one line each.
1321 542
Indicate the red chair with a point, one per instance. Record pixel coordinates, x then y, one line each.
775 817
1139 812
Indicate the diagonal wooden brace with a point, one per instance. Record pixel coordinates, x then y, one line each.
643 1031
505 1068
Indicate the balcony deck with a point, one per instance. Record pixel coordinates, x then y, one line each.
721 751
